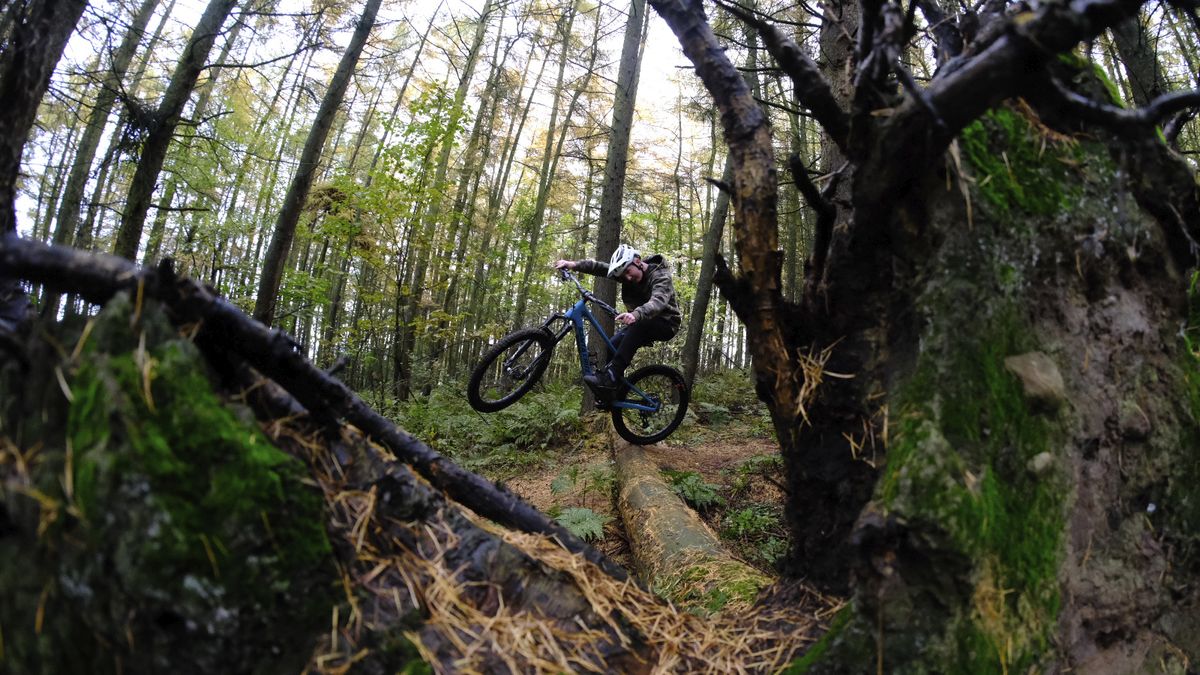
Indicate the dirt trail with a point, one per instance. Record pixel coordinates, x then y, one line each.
716 461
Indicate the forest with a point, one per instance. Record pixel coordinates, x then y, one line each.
938 370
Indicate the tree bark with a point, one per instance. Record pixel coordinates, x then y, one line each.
704 283
1146 81
25 68
536 220
427 222
293 202
162 126
674 551
902 388
114 76
612 191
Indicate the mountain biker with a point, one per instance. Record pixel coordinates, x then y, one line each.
653 311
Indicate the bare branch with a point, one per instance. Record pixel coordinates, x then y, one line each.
719 184
259 64
811 88
1002 69
1125 120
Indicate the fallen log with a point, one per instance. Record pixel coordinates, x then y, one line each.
676 554
97 277
419 575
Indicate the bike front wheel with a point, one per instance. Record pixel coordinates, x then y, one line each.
661 399
509 369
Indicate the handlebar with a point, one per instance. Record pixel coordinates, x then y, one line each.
587 295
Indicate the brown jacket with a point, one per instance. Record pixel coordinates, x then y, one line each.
653 296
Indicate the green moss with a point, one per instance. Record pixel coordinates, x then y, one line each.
1081 63
708 586
1183 520
218 481
1016 166
957 462
173 531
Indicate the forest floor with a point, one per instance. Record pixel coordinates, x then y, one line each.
727 469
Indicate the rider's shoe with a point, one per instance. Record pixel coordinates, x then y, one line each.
602 382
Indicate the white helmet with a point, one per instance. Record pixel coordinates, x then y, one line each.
621 259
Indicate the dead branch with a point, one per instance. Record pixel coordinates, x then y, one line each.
98 277
1122 120
811 88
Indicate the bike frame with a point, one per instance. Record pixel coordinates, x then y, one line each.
574 319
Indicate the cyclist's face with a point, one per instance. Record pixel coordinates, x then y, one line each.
632 273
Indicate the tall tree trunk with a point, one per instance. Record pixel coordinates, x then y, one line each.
162 126
285 226
713 236
1140 58
958 414
158 227
482 272
51 182
708 260
114 76
424 245
533 226
608 230
25 68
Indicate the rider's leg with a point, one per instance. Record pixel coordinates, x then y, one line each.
634 337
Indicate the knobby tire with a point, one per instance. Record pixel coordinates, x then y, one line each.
490 376
641 428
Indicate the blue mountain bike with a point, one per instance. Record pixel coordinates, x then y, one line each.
649 403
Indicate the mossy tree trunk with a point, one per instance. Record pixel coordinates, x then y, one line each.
991 232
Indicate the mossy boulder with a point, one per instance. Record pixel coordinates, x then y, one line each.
150 526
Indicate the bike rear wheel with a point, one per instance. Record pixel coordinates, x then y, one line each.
665 391
509 369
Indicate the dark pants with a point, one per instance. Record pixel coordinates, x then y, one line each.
635 336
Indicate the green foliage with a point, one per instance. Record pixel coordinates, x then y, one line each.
563 482
757 531
1191 329
711 413
583 523
1183 521
599 479
692 487
758 466
1017 166
500 443
727 392
724 405
752 522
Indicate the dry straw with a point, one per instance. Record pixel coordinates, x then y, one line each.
461 618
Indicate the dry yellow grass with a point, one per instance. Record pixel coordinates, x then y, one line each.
412 577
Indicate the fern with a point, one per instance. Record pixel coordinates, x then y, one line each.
693 489
583 523
564 481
